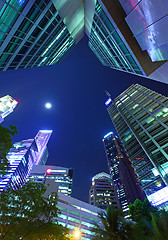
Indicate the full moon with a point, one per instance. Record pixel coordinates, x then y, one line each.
48 105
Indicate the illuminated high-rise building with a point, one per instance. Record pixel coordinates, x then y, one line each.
122 173
62 176
140 117
22 157
102 192
129 35
74 214
40 32
7 104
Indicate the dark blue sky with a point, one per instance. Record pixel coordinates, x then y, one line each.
79 120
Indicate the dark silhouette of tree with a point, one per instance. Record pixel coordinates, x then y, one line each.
159 225
5 145
140 212
113 226
27 214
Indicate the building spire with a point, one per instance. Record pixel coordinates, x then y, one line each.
109 95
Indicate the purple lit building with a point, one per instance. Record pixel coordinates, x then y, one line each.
22 157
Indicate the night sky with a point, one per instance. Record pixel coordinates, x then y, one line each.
79 119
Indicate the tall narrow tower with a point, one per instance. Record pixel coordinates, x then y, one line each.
22 157
122 172
140 116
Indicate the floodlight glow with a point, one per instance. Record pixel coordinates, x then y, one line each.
108 134
77 233
108 101
46 131
48 105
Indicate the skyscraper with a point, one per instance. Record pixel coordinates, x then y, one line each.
62 176
40 32
7 104
37 32
140 117
22 157
129 35
122 172
102 192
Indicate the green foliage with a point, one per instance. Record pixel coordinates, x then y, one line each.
159 225
151 224
27 214
114 226
141 210
5 145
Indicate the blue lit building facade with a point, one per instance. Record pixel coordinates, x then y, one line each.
140 117
37 32
149 23
78 215
7 105
75 214
129 35
41 32
22 157
62 176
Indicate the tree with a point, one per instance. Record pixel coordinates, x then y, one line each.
141 210
26 212
114 226
159 225
141 213
5 145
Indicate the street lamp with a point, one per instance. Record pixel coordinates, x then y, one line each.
77 233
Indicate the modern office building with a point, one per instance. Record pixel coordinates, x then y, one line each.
62 176
40 32
22 157
129 35
140 117
7 104
113 160
121 171
102 192
75 214
78 215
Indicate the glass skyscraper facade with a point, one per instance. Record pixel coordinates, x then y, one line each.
22 157
40 32
109 45
121 171
113 160
7 104
102 192
140 117
147 26
62 176
129 35
32 34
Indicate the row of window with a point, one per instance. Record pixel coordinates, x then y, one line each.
108 45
